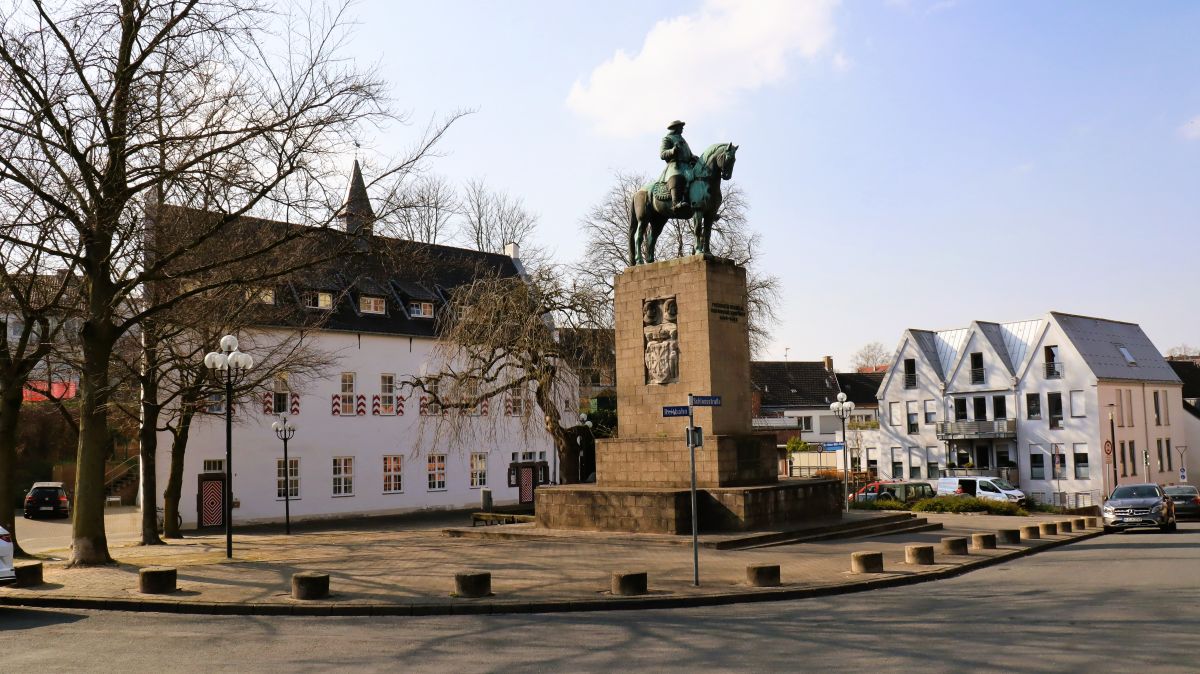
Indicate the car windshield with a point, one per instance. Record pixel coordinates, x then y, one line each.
1140 491
1003 484
47 491
1181 491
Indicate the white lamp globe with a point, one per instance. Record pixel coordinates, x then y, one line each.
850 407
216 361
835 407
275 426
841 397
229 343
290 426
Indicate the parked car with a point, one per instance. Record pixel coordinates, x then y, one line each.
895 490
1139 505
992 488
47 498
1186 498
7 575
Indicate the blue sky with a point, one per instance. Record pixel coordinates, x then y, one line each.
908 164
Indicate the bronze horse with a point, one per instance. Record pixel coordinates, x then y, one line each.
649 212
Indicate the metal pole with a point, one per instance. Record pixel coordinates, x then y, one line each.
1112 430
845 466
695 515
229 462
287 488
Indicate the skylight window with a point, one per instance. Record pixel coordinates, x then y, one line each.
1128 356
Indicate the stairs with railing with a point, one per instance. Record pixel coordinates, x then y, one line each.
122 481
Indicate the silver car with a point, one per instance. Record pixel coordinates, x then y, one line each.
7 575
1139 505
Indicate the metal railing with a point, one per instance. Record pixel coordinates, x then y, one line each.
779 422
1054 370
979 429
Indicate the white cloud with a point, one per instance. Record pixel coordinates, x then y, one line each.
841 63
696 65
1191 129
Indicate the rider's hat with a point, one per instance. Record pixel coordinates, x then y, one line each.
675 125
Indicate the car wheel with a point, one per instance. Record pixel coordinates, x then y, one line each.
1108 529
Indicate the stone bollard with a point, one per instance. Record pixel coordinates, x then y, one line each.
1031 532
762 575
1008 536
310 585
485 500
629 583
1079 523
472 584
1092 522
955 545
156 580
1064 527
1048 529
28 574
918 554
866 562
983 541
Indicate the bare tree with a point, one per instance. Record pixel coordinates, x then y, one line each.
426 210
501 342
871 356
110 106
489 220
1183 351
606 252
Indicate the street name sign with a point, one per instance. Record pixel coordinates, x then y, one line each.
706 401
676 410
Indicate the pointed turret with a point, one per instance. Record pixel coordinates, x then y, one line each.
356 214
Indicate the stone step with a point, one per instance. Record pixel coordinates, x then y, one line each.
912 524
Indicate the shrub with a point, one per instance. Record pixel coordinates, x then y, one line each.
967 504
828 474
879 504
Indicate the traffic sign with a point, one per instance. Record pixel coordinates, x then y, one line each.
1183 474
1146 457
1108 447
676 410
833 446
706 401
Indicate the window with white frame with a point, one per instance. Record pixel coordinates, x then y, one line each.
371 304
1078 404
1166 410
343 476
433 407
1157 409
804 424
933 469
436 469
914 463
393 474
1080 451
214 466
280 394
478 469
387 394
930 411
347 393
318 299
287 478
420 309
515 404
215 403
1037 462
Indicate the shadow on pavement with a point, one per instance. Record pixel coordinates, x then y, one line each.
12 619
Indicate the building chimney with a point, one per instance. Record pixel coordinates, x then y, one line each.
513 250
356 214
829 363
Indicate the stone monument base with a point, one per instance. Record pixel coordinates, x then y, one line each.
668 510
723 461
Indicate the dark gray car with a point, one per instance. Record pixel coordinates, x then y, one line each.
1187 500
1139 505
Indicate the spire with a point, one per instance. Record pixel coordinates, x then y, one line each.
357 214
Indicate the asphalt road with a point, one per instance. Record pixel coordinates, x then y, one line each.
1119 603
39 535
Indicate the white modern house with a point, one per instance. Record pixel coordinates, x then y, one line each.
362 446
1031 401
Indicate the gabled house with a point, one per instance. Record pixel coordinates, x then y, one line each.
1030 401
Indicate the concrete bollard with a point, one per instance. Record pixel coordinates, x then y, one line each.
1048 529
1031 532
762 575
629 583
1079 523
866 562
156 580
1092 522
28 574
1008 536
955 545
472 584
918 554
1064 527
983 541
310 585
485 500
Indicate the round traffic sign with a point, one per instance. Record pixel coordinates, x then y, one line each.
1183 474
1108 447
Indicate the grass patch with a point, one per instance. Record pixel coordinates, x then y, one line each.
967 504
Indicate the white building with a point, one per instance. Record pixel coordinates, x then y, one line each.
1031 401
360 447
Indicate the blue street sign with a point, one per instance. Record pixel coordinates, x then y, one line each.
706 401
676 410
833 446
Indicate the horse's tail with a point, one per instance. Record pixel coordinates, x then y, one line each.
633 227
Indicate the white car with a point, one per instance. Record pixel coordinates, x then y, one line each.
7 575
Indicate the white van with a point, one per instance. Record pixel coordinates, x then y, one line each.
994 488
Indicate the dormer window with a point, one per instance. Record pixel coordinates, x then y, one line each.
370 304
1128 356
318 300
420 309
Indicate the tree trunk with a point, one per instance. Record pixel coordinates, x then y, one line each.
89 542
564 445
148 434
175 479
10 409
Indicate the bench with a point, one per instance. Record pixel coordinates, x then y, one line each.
488 519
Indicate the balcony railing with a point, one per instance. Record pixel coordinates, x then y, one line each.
1054 370
976 430
779 422
977 375
910 380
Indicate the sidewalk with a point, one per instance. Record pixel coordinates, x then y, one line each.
411 571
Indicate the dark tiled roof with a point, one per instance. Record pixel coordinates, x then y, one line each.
1189 372
793 384
1191 409
861 387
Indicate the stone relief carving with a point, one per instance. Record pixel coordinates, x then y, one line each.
660 330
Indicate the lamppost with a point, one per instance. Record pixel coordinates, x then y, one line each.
284 430
842 410
1112 437
232 363
583 421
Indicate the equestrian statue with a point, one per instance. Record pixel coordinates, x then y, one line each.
689 188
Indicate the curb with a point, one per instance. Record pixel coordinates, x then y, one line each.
469 607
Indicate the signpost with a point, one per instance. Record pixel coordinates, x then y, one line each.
1183 474
695 438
